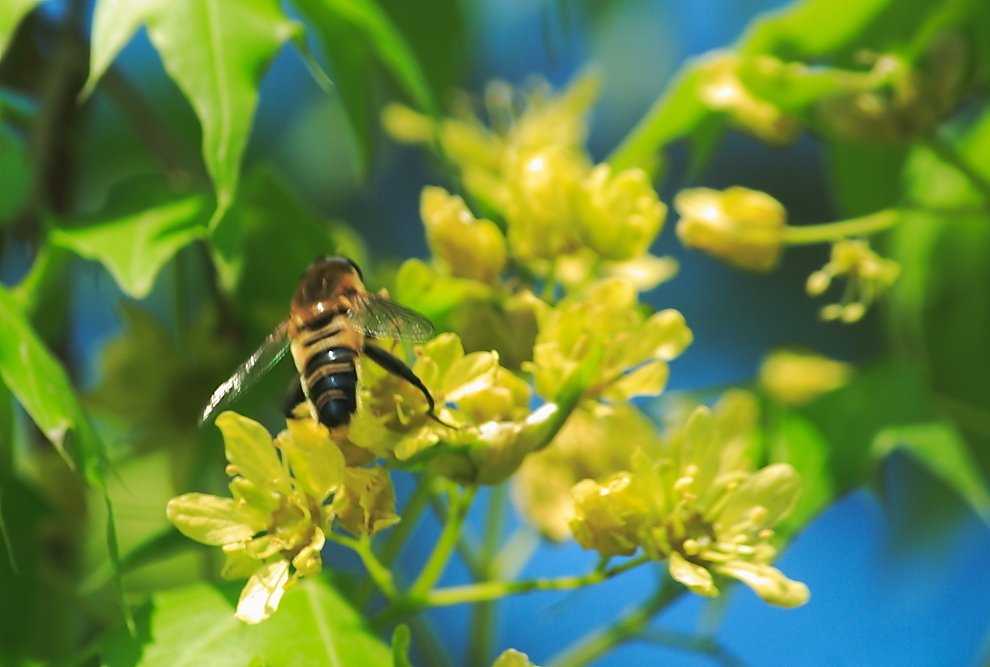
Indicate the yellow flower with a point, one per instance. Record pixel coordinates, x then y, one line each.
512 658
697 508
595 442
635 348
541 187
619 214
869 276
366 503
794 377
739 226
464 246
720 89
273 528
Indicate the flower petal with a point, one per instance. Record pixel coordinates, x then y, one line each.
647 380
208 519
239 564
249 448
474 372
695 577
774 488
263 592
768 582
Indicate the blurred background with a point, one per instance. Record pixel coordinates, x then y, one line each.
884 592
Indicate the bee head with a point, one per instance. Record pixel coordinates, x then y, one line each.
337 262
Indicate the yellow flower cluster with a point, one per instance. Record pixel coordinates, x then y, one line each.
697 505
274 526
532 170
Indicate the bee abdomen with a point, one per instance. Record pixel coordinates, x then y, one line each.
331 378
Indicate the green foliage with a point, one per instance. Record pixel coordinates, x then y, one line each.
315 626
534 281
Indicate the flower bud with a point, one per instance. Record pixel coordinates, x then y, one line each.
795 377
720 89
468 247
406 125
739 226
619 214
540 207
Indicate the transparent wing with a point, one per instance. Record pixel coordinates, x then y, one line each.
264 358
378 317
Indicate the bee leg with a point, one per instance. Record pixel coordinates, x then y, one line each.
396 366
294 395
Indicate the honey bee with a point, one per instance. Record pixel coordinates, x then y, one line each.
331 317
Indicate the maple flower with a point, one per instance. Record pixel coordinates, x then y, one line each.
619 214
698 507
274 526
635 348
868 275
741 227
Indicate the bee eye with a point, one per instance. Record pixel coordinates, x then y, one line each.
357 269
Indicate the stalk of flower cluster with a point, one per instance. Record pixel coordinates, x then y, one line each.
834 231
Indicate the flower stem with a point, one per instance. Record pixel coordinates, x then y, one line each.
397 537
493 590
835 231
481 639
460 503
378 572
629 626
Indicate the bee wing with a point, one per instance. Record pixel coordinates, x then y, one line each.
377 317
263 360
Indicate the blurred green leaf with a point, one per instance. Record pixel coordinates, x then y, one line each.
195 625
435 32
382 37
941 448
42 387
216 51
811 28
867 178
16 175
11 13
795 440
850 418
135 240
263 247
675 114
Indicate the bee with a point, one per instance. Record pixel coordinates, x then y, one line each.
331 318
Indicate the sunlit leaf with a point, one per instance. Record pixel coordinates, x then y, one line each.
216 51
42 387
940 447
811 28
195 625
11 13
134 246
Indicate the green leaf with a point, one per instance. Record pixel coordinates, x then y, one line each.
11 13
851 417
812 28
134 241
216 51
42 387
195 625
941 448
675 114
867 178
795 440
382 37
16 175
264 245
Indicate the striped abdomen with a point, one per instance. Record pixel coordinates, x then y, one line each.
331 382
